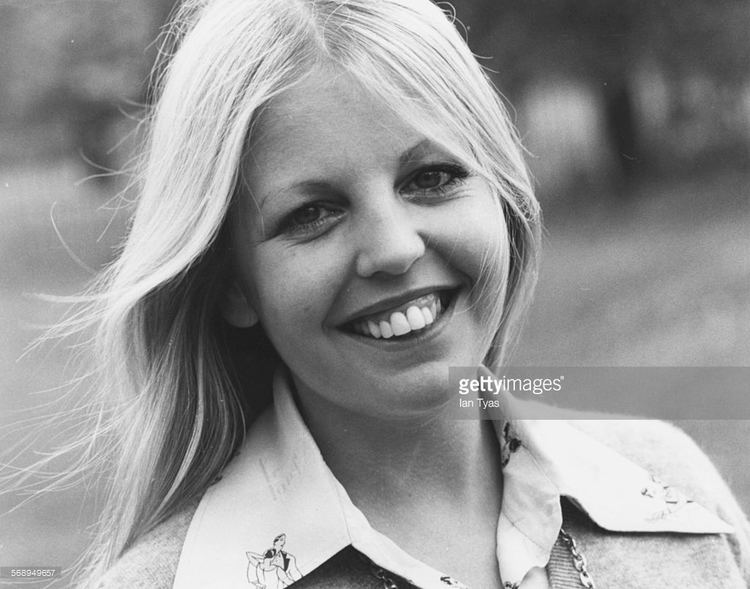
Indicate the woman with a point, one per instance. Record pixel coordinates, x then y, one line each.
335 211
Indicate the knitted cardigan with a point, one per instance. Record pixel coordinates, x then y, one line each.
615 560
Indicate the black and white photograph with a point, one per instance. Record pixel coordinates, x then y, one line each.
374 294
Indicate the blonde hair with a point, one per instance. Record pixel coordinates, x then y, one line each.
165 352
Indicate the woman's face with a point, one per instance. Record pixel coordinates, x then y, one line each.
357 244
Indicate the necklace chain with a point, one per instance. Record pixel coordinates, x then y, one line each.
579 560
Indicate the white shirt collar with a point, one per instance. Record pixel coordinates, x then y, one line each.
279 484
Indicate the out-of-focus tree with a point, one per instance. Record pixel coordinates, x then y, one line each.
699 51
72 70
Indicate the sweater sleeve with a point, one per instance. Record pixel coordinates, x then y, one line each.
151 563
719 498
673 456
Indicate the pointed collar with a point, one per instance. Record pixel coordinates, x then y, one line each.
278 512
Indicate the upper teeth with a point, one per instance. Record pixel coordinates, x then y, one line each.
418 315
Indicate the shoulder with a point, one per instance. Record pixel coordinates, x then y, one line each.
151 563
673 457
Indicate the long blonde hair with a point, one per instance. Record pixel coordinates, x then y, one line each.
186 385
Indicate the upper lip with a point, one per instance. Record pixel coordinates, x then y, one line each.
397 300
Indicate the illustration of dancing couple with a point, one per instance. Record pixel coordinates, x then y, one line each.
273 569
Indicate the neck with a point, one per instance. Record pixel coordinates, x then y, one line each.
410 466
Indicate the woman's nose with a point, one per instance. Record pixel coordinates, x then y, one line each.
388 238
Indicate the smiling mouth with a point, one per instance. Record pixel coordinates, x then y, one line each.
405 319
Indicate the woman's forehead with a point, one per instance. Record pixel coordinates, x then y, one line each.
328 126
324 103
331 118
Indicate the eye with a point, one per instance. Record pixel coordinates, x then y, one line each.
306 215
435 179
431 179
310 219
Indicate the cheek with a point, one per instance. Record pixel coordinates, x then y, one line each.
291 288
293 295
478 242
481 252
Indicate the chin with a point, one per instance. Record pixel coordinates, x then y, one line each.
411 398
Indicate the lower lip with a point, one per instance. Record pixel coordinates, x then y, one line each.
417 338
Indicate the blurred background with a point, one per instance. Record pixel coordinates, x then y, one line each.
636 115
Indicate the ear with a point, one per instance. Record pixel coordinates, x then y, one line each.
236 309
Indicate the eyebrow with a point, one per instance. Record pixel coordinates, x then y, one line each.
411 153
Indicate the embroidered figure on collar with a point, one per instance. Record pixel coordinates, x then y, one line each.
273 569
509 444
451 582
672 498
